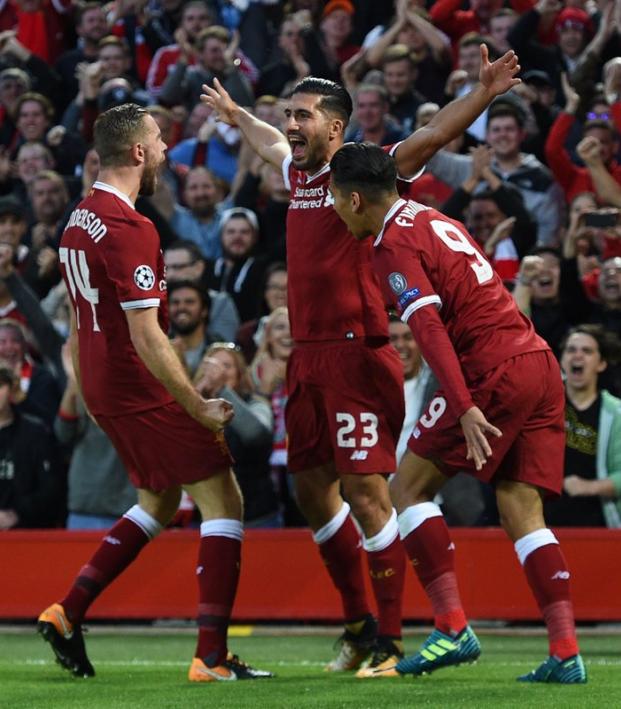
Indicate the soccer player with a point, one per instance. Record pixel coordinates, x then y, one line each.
345 381
136 389
487 358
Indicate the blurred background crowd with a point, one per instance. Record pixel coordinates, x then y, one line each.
536 180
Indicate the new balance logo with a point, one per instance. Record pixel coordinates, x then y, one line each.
199 570
112 540
359 455
560 575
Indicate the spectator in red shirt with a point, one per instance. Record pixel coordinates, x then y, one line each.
573 178
450 18
194 18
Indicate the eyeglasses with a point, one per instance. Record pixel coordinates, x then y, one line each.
592 115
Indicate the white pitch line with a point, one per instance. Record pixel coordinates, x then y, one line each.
278 663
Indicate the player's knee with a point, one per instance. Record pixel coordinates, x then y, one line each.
164 507
369 500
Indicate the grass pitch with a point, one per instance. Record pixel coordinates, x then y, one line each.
147 670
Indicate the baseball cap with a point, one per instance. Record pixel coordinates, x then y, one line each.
333 5
240 212
537 77
573 17
11 205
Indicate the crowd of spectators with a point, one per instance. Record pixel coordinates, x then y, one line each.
536 179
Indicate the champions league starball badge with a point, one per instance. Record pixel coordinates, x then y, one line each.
397 282
144 277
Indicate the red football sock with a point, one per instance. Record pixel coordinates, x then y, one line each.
118 549
546 570
387 568
219 560
342 555
432 554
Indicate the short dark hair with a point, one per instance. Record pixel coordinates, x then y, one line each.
116 130
274 267
600 123
186 245
539 250
608 342
505 109
203 293
364 167
335 99
85 8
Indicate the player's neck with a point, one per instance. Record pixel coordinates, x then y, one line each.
581 399
377 213
123 180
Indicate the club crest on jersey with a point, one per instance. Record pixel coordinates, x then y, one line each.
408 296
397 282
144 277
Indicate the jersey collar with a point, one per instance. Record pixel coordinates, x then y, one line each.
105 187
389 215
324 169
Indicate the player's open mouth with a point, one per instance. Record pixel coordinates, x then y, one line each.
545 282
298 146
577 368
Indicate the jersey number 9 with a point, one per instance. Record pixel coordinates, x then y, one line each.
456 241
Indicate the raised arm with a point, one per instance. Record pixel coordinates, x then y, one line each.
264 139
452 120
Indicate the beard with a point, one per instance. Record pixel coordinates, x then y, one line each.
203 208
185 327
148 181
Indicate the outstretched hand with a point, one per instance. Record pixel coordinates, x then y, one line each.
219 100
476 428
501 75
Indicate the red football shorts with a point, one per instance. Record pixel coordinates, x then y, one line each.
345 405
164 447
524 398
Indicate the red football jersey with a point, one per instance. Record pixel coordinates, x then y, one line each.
333 293
111 262
423 259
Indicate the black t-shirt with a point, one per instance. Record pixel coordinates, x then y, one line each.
580 451
7 467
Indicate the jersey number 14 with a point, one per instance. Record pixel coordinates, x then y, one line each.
78 278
